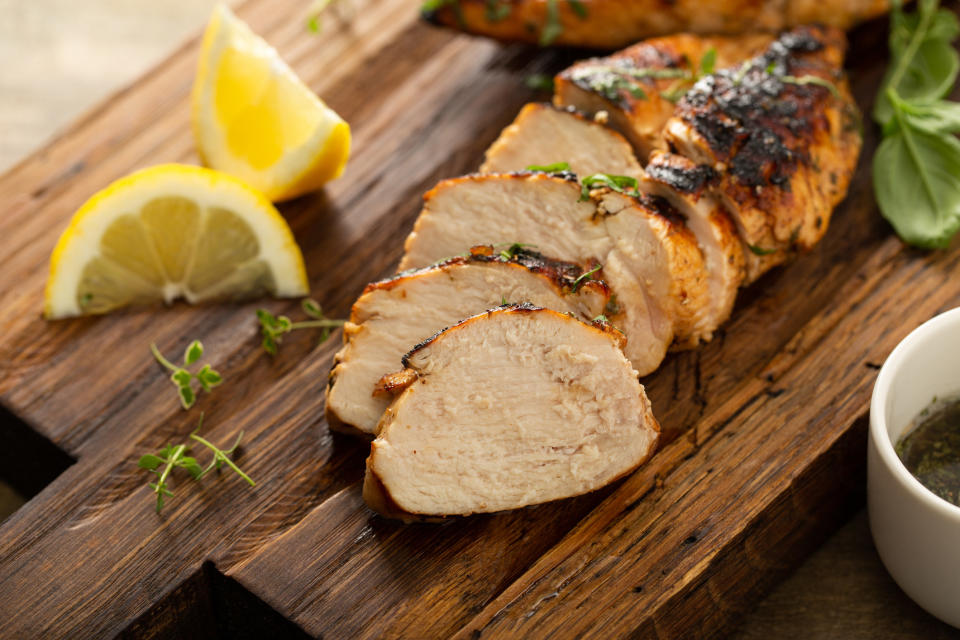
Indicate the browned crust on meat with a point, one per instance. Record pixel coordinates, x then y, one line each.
600 325
394 383
681 174
566 276
767 126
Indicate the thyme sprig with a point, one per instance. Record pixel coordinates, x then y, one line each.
175 457
272 327
182 378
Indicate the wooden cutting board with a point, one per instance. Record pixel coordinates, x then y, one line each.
764 428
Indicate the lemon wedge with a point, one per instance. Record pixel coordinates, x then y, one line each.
167 232
255 119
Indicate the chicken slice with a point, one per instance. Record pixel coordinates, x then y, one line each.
393 315
782 134
684 185
652 240
549 213
513 407
608 24
637 87
543 135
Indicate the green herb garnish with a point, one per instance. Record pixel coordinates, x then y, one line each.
539 82
601 318
497 10
314 23
626 185
172 457
511 252
429 6
916 168
556 167
820 82
578 8
708 62
760 251
183 379
552 28
585 276
272 327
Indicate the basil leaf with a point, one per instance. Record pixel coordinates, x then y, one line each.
924 65
914 179
940 117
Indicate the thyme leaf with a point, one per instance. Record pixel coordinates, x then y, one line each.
183 379
272 328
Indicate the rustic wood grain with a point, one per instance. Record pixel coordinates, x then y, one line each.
763 428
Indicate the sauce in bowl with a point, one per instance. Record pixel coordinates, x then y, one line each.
930 449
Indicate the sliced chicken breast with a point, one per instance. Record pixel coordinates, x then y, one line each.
684 184
513 407
393 315
652 240
608 24
782 134
637 88
543 135
646 259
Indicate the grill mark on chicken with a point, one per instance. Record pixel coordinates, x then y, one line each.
563 274
626 85
776 131
754 120
684 179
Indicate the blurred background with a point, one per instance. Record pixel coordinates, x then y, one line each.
60 58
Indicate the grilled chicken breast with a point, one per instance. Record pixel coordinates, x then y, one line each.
781 133
650 260
543 135
609 24
544 132
637 88
393 315
683 184
510 408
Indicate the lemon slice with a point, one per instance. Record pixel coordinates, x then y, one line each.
167 232
254 118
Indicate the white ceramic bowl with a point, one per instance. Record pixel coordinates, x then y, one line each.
916 533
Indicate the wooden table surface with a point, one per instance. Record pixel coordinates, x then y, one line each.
59 58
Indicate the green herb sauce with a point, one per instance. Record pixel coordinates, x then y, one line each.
930 449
